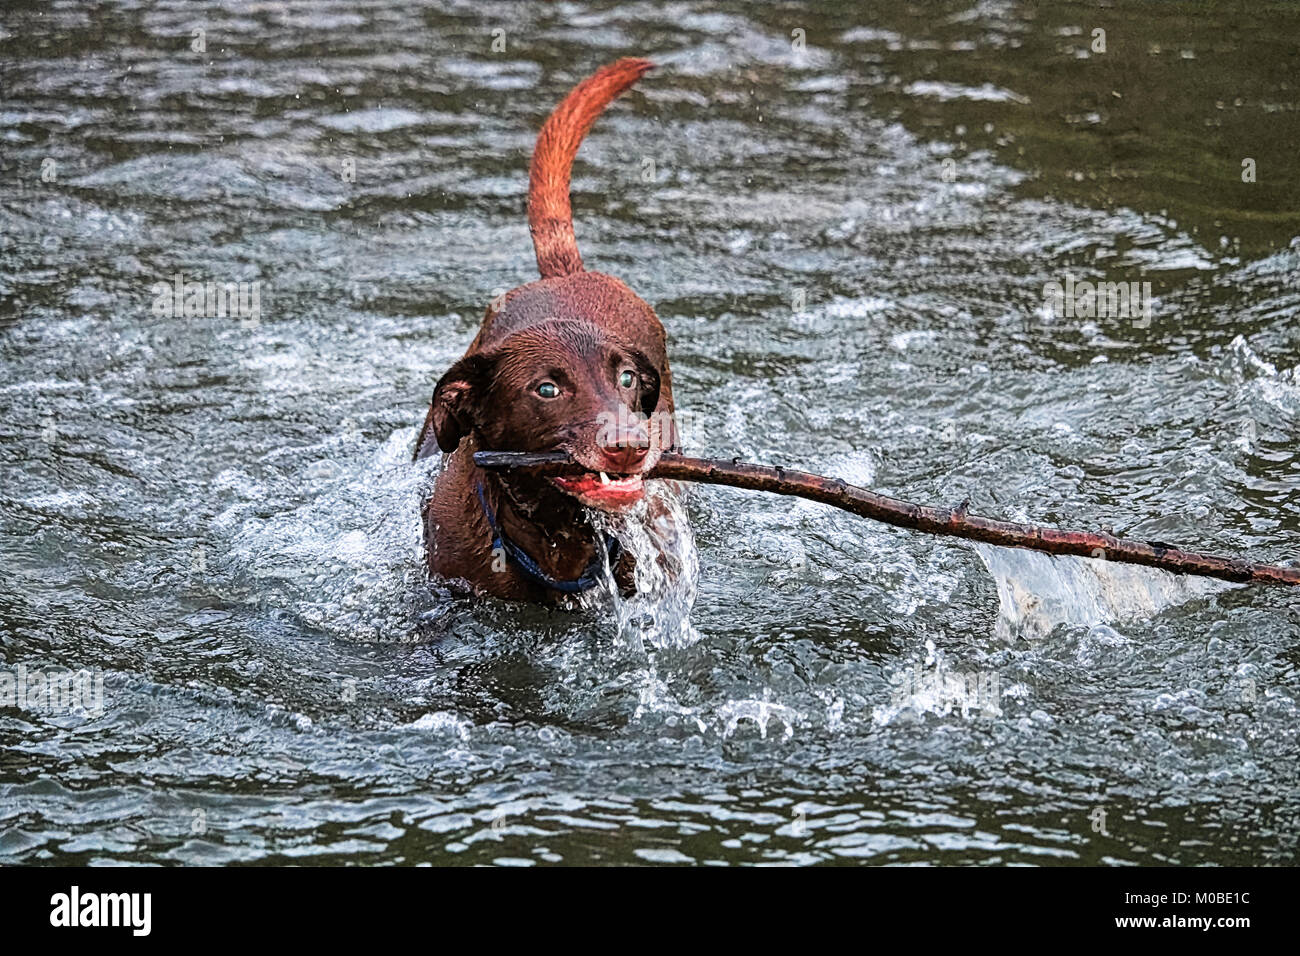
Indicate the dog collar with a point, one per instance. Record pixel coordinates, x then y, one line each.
533 571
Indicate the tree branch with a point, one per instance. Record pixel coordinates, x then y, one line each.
950 522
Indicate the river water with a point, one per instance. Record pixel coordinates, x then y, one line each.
846 219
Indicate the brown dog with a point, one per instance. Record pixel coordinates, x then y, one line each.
573 362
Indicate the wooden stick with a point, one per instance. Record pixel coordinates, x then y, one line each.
951 522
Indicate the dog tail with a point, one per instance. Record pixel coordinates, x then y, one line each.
550 217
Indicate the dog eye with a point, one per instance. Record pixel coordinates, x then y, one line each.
548 390
626 379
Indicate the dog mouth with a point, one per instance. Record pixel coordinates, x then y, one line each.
604 490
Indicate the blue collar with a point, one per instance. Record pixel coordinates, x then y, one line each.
533 571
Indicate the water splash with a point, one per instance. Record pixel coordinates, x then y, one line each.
667 570
346 561
1278 387
761 713
1037 592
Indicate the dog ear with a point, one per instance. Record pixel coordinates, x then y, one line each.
456 398
650 376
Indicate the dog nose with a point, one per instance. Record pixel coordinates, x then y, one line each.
626 448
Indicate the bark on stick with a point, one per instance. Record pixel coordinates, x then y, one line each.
949 522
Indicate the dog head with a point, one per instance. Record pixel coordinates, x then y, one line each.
561 384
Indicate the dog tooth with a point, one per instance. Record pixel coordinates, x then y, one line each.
604 478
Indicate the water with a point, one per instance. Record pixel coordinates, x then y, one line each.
219 516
